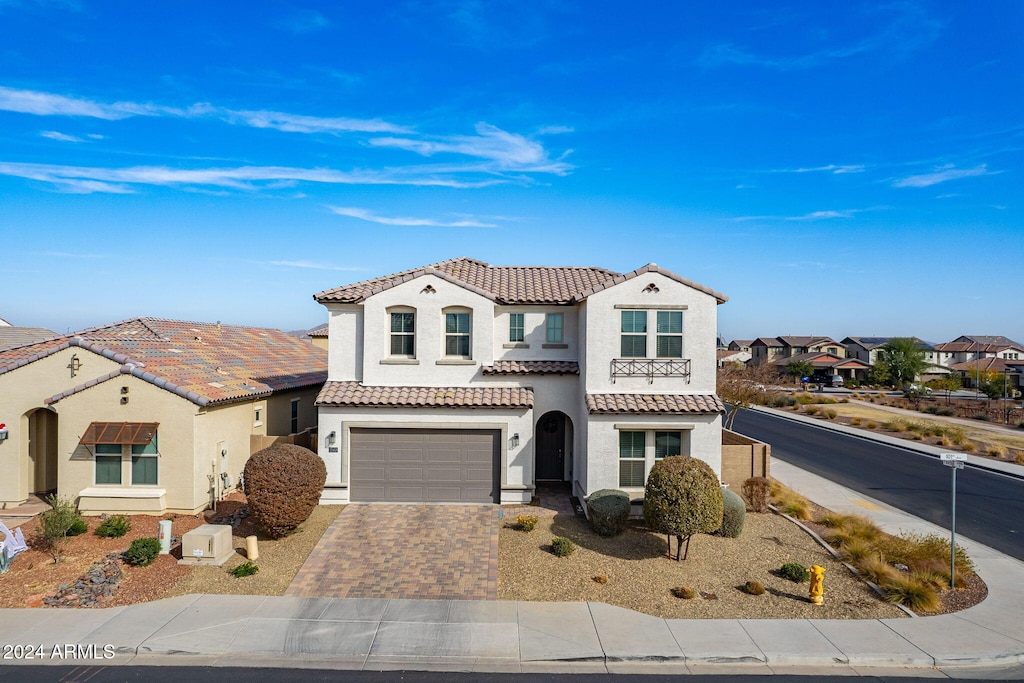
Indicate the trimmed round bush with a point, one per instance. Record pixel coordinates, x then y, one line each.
562 547
282 486
114 527
795 572
683 497
734 513
608 511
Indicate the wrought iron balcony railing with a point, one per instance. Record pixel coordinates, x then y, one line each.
651 368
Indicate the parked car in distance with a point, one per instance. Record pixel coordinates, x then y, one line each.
828 380
916 389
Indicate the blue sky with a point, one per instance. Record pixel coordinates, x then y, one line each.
834 168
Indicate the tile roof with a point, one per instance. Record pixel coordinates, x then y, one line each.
318 332
993 339
991 363
11 336
355 394
663 404
532 367
203 362
507 284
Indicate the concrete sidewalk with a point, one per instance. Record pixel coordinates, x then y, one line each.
380 634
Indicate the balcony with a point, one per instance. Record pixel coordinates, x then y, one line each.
651 368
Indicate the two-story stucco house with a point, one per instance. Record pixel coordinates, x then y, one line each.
463 381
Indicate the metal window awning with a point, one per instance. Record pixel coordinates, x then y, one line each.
134 433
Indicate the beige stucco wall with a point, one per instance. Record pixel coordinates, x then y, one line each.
146 403
345 347
24 390
277 421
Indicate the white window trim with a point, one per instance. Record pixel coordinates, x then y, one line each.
131 476
650 430
402 309
456 310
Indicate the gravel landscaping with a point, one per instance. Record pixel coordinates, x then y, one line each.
640 576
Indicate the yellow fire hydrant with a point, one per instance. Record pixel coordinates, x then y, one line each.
817 585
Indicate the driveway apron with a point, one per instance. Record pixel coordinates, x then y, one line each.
381 550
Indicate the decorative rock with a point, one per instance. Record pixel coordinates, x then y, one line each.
93 587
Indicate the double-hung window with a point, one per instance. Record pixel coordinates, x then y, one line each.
634 334
403 334
632 447
456 334
516 330
294 417
667 444
108 463
554 328
145 463
670 334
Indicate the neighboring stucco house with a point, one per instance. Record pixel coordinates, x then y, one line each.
866 349
772 349
463 381
149 415
318 336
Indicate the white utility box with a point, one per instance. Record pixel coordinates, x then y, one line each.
207 544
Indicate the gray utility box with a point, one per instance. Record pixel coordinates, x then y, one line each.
207 544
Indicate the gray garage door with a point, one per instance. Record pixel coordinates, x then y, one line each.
424 465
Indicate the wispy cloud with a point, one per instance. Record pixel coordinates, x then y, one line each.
812 216
82 179
836 169
310 265
555 130
507 151
60 137
297 123
49 104
367 215
909 29
941 175
305 21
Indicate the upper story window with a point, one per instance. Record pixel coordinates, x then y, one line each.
294 417
634 334
456 334
403 334
554 328
670 334
516 330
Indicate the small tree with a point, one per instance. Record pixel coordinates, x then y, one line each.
903 359
947 383
743 386
878 375
56 524
682 497
798 369
992 383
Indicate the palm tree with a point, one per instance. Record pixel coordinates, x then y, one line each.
903 359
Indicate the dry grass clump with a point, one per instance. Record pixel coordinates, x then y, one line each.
875 569
684 592
898 425
853 550
811 410
945 442
790 502
969 447
956 435
601 579
753 588
996 451
1020 458
830 414
912 592
871 425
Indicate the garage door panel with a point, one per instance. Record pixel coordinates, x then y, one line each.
423 465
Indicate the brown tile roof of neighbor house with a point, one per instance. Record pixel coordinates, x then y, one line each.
203 362
506 284
663 404
990 363
11 336
532 367
318 332
354 394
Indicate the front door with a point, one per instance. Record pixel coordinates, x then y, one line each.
551 447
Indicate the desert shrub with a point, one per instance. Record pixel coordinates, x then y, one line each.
875 569
562 547
684 592
945 442
142 552
897 425
917 436
795 572
753 588
911 592
78 527
983 417
830 414
282 486
995 451
833 520
114 527
855 549
734 514
608 511
757 491
811 410
57 525
856 421
956 435
871 425
525 522
969 447
247 568
932 577
791 503
931 410
683 497
1019 459
600 578
923 552
946 412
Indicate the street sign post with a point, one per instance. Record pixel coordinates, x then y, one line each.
954 461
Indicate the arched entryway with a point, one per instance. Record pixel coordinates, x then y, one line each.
553 452
42 451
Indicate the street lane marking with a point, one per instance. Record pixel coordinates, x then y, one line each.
865 504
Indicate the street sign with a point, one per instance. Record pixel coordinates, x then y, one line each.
953 456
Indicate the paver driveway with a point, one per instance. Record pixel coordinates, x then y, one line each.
380 550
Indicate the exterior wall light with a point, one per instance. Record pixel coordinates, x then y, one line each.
331 439
514 441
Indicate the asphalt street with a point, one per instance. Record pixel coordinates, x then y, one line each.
989 507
